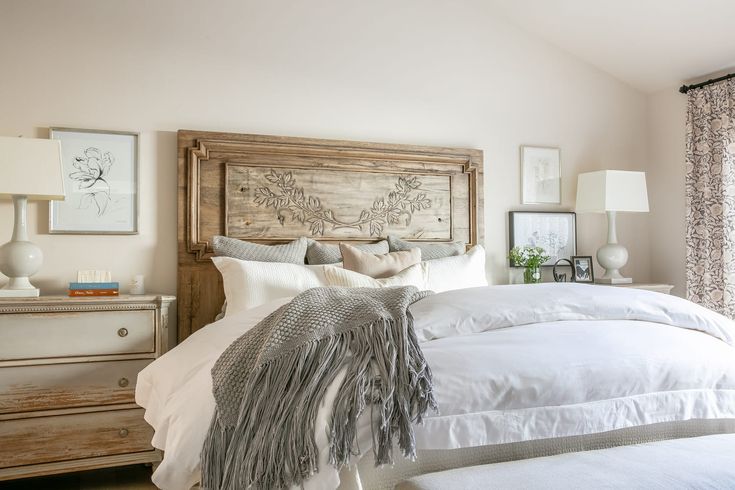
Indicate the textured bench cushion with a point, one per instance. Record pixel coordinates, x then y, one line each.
697 462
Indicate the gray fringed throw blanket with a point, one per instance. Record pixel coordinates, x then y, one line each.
269 383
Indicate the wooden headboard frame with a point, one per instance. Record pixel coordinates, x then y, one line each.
204 160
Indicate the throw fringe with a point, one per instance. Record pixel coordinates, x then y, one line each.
272 444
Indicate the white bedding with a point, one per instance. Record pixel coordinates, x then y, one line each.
510 363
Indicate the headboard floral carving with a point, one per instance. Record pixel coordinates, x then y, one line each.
272 189
399 204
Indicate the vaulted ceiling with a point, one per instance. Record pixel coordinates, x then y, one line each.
649 44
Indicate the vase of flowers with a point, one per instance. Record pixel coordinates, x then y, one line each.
531 259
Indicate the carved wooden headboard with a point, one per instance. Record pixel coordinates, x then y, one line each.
272 189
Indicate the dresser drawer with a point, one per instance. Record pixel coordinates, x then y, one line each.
68 437
64 334
45 387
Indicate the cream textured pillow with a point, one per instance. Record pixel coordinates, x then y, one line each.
249 284
377 266
412 276
459 272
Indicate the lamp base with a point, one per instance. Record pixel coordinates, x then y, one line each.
19 258
614 280
612 257
20 293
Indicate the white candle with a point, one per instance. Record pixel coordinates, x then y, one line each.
137 285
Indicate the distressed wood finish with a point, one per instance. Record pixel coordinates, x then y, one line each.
68 368
32 388
67 334
69 437
283 203
207 206
85 464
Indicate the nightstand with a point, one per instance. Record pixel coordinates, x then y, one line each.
68 368
658 288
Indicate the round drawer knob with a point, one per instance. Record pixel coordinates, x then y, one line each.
123 382
123 332
123 432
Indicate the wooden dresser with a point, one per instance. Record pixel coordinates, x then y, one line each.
68 368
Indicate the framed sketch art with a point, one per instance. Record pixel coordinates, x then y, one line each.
555 232
540 175
100 170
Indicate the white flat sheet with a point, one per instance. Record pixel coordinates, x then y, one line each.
559 372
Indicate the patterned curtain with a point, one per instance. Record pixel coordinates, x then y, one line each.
710 197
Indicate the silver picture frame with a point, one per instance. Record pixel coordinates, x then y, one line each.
101 180
554 231
540 175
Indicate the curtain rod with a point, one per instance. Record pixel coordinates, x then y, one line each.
686 88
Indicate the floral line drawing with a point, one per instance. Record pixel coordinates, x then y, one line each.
308 210
92 168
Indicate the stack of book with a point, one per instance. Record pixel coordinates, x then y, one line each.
94 289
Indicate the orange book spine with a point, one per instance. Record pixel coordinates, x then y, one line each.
94 292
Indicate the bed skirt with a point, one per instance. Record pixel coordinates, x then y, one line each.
366 477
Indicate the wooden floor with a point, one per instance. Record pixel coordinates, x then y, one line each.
136 477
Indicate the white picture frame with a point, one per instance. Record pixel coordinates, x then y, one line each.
540 175
100 171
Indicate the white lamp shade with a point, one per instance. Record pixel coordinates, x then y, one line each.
612 190
31 167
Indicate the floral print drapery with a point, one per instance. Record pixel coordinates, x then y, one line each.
710 197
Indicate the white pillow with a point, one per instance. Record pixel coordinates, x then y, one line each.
249 284
411 276
458 272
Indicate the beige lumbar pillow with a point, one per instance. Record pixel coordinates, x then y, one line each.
378 265
412 276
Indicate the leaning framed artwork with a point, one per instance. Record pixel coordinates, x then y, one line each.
555 232
100 170
540 175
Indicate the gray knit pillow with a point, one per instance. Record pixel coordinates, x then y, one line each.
327 253
291 253
429 250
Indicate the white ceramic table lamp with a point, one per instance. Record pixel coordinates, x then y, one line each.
29 169
612 192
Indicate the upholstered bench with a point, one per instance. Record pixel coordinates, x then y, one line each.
697 462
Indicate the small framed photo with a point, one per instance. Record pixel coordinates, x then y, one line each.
555 232
540 175
583 268
100 170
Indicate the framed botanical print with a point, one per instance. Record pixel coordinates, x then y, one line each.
540 175
555 232
100 170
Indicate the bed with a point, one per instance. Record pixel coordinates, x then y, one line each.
519 371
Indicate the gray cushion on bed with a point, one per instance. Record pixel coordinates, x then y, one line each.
328 253
291 253
697 462
429 250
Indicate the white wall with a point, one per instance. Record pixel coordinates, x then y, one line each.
667 138
434 73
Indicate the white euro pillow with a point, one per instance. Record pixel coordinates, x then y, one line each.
457 272
249 284
411 276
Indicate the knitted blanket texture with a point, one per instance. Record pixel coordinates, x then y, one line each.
269 383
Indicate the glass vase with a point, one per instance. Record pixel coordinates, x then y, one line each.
532 275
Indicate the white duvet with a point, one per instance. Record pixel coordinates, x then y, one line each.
510 363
